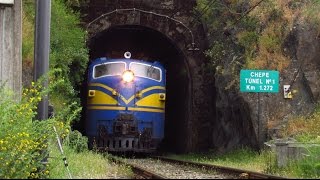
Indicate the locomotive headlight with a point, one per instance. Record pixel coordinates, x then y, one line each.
128 76
91 93
162 96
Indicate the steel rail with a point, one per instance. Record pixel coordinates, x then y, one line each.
246 174
139 170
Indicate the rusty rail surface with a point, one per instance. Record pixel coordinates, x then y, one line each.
139 171
242 174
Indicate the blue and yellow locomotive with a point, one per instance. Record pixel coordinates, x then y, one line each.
126 104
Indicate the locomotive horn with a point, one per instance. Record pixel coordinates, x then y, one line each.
127 55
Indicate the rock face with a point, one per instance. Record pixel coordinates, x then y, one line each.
308 54
303 47
235 124
267 113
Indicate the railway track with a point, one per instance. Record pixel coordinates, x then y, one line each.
239 173
139 171
166 168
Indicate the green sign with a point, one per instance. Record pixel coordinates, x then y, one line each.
259 81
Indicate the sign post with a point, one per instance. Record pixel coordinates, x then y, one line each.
257 81
41 51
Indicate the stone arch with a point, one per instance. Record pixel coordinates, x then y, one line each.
187 114
173 28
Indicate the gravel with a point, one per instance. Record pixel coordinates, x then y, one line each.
176 171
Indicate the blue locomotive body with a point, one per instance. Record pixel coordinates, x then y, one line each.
125 104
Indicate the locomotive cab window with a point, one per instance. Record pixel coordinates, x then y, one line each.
147 71
108 69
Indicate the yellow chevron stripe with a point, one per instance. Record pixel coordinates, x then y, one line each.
127 101
151 101
110 89
107 107
102 98
101 85
145 109
152 88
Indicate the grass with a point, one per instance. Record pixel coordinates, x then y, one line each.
241 158
246 159
84 165
303 129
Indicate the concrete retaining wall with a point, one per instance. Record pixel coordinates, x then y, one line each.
287 151
11 46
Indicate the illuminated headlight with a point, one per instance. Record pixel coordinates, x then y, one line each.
127 76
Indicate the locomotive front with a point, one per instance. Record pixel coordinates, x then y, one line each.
125 105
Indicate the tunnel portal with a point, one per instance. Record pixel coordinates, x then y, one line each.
150 45
158 32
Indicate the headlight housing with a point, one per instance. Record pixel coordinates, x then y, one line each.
128 76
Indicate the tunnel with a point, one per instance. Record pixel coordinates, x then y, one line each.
151 45
201 112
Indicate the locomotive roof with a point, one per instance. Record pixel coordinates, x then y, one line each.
104 60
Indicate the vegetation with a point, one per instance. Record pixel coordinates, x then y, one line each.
251 35
68 52
256 42
26 143
264 161
68 56
304 130
242 158
22 140
85 165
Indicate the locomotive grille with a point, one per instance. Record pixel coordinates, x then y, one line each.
125 117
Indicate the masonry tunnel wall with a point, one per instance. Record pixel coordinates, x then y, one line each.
200 115
150 45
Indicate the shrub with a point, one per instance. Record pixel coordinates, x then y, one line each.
78 142
23 140
68 52
309 166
